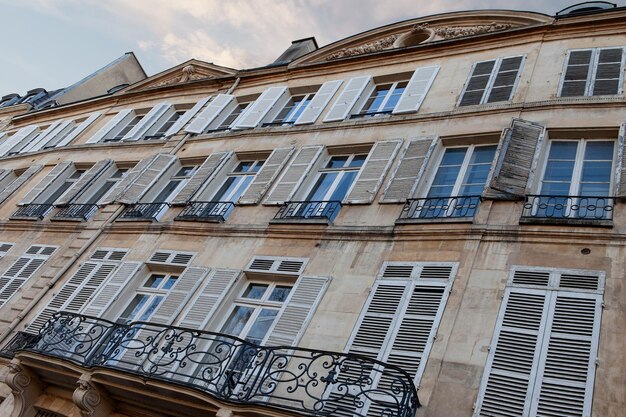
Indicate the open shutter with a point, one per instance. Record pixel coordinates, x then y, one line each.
59 133
116 123
146 122
319 102
210 113
608 74
120 186
294 174
4 173
416 90
79 129
261 107
83 182
200 311
373 172
517 158
351 93
110 290
202 177
577 73
46 181
620 172
17 137
409 170
477 83
264 178
41 139
22 270
503 85
297 311
142 182
18 182
186 117
180 293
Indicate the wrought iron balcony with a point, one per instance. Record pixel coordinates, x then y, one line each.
206 210
302 210
567 209
462 207
32 211
144 211
309 382
370 114
76 211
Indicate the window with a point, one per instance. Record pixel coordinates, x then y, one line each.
160 132
63 187
383 99
176 182
147 298
238 181
292 110
492 81
101 192
232 117
117 136
593 72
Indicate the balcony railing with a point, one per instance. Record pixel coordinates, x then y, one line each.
33 211
463 207
310 382
370 114
206 210
302 210
144 211
76 211
564 209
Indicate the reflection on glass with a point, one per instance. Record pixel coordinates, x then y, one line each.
280 293
255 291
261 325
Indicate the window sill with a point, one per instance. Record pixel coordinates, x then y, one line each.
435 220
29 218
325 222
67 219
568 222
138 220
200 219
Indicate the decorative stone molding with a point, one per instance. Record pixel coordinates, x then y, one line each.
454 32
225 412
379 45
188 73
89 399
24 386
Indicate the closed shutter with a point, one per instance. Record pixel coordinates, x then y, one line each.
266 175
210 113
116 123
319 102
22 270
84 182
5 248
608 74
22 134
517 158
200 310
503 85
415 92
297 311
62 130
373 172
620 172
141 128
186 117
42 138
46 182
409 170
577 73
294 174
110 289
142 182
79 129
180 293
348 98
261 107
202 177
477 83
18 182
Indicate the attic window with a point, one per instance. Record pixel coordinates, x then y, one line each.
416 36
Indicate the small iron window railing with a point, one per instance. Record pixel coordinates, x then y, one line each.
206 210
145 211
461 207
76 211
577 208
302 210
33 211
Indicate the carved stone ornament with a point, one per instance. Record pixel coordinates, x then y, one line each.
188 73
24 387
462 31
89 399
379 45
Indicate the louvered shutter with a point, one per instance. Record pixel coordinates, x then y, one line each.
348 98
266 175
4 248
84 182
202 177
186 117
18 182
477 83
117 122
59 169
319 102
620 172
180 293
142 182
22 270
504 80
121 185
373 172
110 289
41 139
297 311
64 128
409 170
4 173
294 174
577 73
80 129
517 158
415 92
261 107
200 311
210 113
153 116
608 72
17 137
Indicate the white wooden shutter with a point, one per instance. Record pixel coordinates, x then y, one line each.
79 129
577 73
42 138
181 292
202 177
110 289
416 90
504 79
409 170
170 257
86 180
59 169
620 172
203 307
118 121
4 248
319 102
62 130
146 179
121 185
210 113
608 75
373 172
18 182
146 122
22 270
346 101
17 137
186 117
261 107
294 174
477 83
266 175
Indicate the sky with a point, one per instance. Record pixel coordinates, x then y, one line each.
54 43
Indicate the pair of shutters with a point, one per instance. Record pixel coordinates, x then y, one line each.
492 81
593 72
149 123
544 348
17 182
24 135
48 181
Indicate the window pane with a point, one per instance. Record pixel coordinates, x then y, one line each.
170 282
563 150
255 291
395 97
343 186
261 325
257 166
166 191
227 188
596 172
133 308
280 293
559 171
237 320
244 166
337 161
321 187
153 305
358 160
154 281
477 170
599 150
